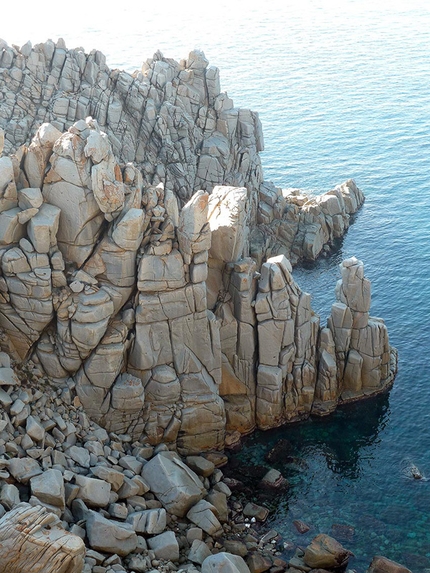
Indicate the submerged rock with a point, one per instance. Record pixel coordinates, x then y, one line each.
383 565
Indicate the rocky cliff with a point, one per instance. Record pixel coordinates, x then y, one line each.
146 264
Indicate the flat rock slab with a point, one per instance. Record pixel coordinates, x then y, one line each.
110 536
23 469
8 377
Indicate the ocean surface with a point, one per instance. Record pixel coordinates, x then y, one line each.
342 88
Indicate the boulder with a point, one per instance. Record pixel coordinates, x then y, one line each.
173 483
23 469
165 546
33 540
199 551
324 552
94 492
110 536
224 563
49 488
203 515
150 521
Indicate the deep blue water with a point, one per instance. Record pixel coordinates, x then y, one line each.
342 89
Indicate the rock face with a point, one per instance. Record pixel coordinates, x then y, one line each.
145 264
170 118
33 540
169 329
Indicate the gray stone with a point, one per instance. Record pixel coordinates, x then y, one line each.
94 492
110 536
174 484
165 546
203 515
151 521
198 551
34 429
23 469
200 465
49 488
9 496
110 475
224 563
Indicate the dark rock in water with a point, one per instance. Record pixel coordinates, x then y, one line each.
249 472
279 451
383 565
416 561
298 462
342 532
370 522
301 526
233 483
269 536
289 547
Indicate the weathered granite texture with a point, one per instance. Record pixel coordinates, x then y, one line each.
144 263
32 539
170 118
173 121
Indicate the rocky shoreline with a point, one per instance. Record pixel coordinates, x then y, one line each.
137 507
149 317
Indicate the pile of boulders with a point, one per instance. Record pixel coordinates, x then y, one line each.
88 500
77 499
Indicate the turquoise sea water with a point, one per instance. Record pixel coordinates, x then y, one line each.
342 89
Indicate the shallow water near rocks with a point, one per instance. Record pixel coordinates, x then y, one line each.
342 91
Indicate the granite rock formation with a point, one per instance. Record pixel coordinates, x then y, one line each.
32 540
171 120
146 264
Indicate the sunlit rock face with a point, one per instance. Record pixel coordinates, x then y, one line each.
145 264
